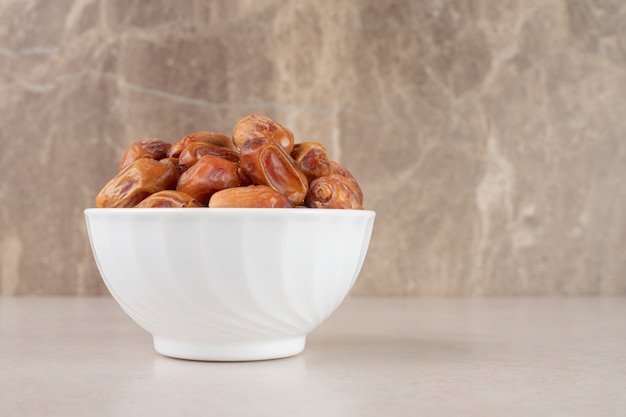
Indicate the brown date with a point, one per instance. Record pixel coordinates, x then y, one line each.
257 196
146 148
312 159
260 166
265 162
174 162
169 199
331 192
338 169
135 182
245 181
208 175
256 126
213 138
197 150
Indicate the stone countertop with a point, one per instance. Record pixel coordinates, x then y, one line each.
374 356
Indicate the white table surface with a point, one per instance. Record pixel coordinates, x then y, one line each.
373 357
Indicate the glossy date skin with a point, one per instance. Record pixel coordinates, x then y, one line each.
338 169
146 148
255 126
196 150
331 192
265 162
213 138
207 176
137 181
254 196
173 162
312 159
169 199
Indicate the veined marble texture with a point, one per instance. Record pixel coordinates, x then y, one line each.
489 136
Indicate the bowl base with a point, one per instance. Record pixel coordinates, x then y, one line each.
229 351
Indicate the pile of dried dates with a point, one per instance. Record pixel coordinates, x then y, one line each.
260 166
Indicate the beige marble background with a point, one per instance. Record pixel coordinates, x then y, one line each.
489 136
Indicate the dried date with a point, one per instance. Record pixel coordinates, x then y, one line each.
208 175
135 182
256 196
265 162
256 126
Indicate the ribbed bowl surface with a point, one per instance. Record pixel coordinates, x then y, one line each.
229 284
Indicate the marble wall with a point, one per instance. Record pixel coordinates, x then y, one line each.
489 136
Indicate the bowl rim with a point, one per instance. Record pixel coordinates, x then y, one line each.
245 211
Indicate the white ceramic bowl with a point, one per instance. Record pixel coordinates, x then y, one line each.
229 284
